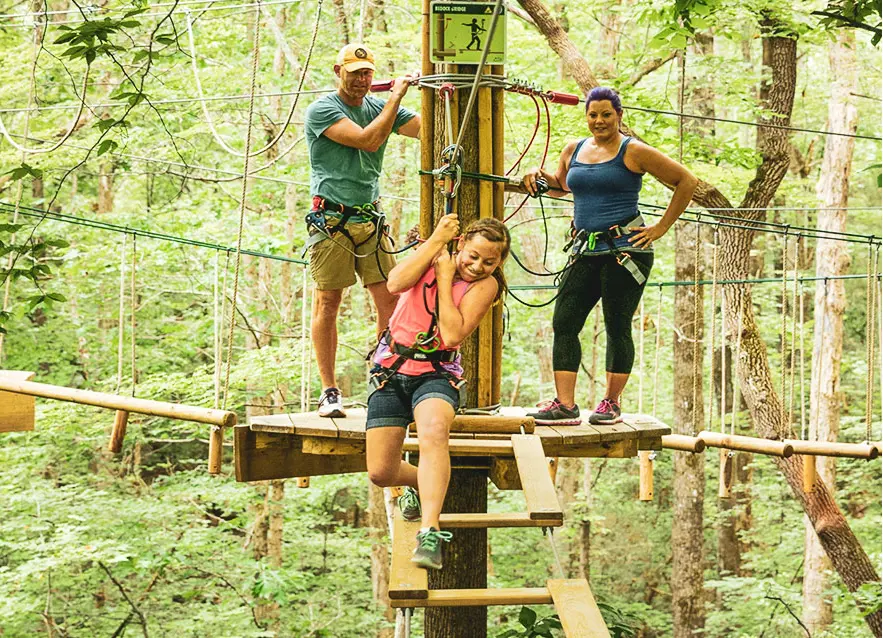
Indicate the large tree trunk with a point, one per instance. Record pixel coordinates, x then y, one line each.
832 259
689 476
847 555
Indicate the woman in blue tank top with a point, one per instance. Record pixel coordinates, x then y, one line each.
604 172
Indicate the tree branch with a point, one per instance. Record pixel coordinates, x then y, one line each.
847 21
799 622
648 68
134 607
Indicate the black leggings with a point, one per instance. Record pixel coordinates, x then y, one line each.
589 279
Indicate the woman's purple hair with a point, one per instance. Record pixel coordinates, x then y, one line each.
600 93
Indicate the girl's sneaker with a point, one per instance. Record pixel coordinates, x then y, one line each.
556 413
409 503
429 552
608 412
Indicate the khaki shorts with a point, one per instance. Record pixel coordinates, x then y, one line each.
333 265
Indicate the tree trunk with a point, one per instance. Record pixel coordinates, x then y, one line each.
689 476
377 531
342 22
465 559
688 603
832 259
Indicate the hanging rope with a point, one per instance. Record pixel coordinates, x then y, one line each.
869 339
784 312
134 308
70 129
121 321
656 352
714 261
736 375
819 317
794 302
723 402
297 95
802 369
247 155
697 361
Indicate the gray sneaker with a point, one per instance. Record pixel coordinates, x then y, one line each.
429 552
608 412
409 503
556 413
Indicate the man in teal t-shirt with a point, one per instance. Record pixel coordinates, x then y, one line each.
346 133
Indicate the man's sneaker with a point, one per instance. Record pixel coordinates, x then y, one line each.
409 503
428 552
608 412
331 404
556 413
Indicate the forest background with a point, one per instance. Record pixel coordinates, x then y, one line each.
121 248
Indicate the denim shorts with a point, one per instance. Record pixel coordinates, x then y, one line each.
394 403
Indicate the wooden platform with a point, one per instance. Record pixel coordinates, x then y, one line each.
288 445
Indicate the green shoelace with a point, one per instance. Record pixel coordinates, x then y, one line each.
430 539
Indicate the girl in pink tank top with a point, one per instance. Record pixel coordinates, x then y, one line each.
442 299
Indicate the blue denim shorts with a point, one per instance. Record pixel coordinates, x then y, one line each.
394 403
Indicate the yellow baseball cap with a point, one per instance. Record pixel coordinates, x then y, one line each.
354 57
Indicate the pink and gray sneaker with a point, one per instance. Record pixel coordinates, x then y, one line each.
556 413
608 412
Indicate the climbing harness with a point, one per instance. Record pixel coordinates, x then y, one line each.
323 209
584 241
427 348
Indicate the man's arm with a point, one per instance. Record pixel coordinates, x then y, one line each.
371 137
411 128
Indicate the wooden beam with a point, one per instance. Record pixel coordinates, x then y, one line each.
115 402
683 443
495 520
263 456
406 580
468 447
725 474
577 609
840 450
120 421
809 473
539 491
646 476
478 598
747 444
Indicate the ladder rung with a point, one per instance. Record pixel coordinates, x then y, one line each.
503 519
479 597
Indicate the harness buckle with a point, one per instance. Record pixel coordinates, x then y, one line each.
615 231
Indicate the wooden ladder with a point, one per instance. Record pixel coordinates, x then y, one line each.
573 600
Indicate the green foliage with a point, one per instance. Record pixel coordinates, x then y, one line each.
533 626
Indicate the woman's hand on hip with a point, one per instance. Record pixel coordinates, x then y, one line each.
644 236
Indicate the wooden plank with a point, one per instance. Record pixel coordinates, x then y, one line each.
612 449
478 598
616 432
481 423
468 447
262 456
16 410
646 477
305 424
577 609
578 434
331 447
406 580
495 520
539 491
549 435
646 425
